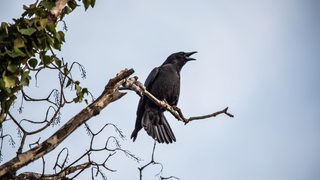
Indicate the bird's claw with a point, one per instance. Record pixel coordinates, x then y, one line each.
176 108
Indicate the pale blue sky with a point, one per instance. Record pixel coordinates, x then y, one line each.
261 58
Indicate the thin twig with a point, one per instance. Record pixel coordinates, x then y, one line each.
151 161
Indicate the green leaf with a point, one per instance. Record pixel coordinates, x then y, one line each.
19 52
12 54
43 22
51 27
60 36
93 2
85 91
65 10
2 117
48 4
18 43
9 81
46 60
77 86
72 4
86 3
12 68
27 31
65 70
58 62
4 26
25 78
49 40
69 83
33 62
34 44
57 45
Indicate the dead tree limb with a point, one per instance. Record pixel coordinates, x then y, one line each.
152 162
110 94
60 4
33 175
133 84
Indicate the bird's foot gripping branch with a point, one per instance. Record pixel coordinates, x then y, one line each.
133 84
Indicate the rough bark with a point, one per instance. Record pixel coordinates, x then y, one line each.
60 4
110 94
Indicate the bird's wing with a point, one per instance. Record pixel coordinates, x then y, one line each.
148 84
152 76
141 106
152 118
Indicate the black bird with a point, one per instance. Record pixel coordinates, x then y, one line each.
164 83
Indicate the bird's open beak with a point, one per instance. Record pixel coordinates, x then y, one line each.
188 58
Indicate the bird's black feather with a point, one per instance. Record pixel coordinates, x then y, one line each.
164 83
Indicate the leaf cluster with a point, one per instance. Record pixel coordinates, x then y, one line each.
27 45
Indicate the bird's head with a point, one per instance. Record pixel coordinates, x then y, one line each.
179 58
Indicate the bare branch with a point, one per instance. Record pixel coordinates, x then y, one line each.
64 161
75 168
170 177
187 120
110 94
97 168
60 4
153 162
133 84
65 172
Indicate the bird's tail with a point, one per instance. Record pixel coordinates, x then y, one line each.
157 126
134 134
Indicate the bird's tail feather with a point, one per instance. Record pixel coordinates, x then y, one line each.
134 134
157 126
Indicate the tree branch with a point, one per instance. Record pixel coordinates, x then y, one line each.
110 94
152 162
33 175
133 84
60 4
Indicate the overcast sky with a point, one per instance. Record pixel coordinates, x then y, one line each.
260 58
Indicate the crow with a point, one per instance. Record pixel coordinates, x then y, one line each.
164 83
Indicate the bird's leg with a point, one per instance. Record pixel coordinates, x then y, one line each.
179 112
176 108
165 101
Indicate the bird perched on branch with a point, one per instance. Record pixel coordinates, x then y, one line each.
164 83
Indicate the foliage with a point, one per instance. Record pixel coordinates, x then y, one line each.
28 45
